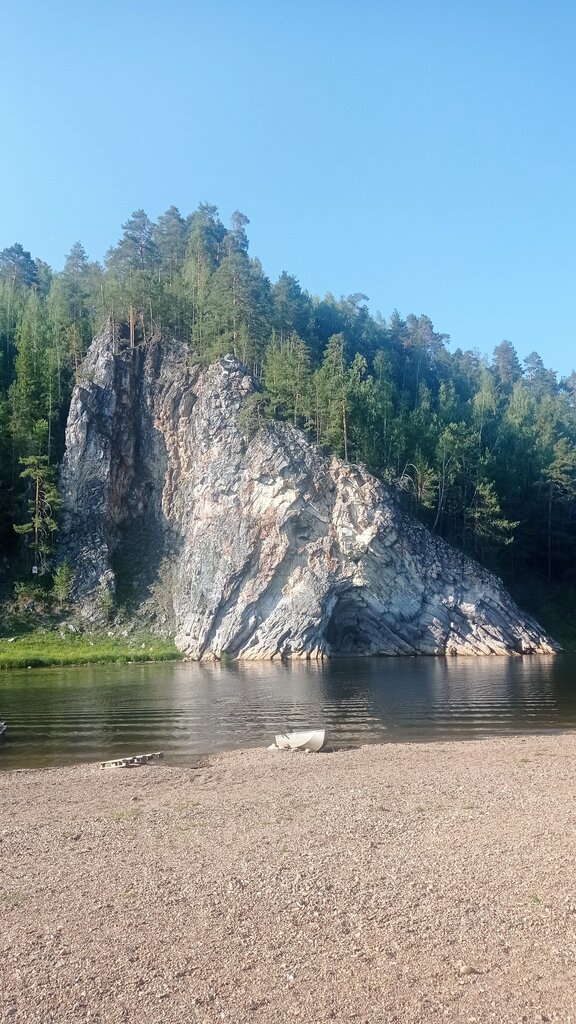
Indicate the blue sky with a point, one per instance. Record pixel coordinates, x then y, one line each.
422 153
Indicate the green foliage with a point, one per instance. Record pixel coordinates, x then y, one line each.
30 390
106 604
37 649
238 309
288 378
43 504
137 249
483 451
62 583
28 594
17 267
252 415
491 529
331 396
169 236
292 308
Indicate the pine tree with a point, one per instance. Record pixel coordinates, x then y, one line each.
507 364
560 476
132 275
331 388
17 267
63 582
170 236
29 393
205 237
287 378
137 249
490 528
238 310
292 308
43 505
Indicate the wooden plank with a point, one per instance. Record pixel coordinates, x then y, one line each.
133 761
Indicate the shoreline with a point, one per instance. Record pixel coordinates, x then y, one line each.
123 655
51 649
398 882
195 760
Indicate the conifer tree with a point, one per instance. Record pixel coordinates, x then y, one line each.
331 386
17 267
560 476
287 378
29 396
43 503
205 237
292 308
170 236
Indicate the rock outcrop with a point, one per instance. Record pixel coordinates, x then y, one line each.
259 548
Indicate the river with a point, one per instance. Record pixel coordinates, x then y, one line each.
61 716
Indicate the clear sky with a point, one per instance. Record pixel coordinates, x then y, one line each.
421 152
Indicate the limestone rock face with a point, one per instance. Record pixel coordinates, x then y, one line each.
260 548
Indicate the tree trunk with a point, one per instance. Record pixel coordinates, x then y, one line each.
36 520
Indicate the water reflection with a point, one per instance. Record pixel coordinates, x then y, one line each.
57 716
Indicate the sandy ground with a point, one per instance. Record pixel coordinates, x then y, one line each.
401 883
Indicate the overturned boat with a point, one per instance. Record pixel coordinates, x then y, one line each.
312 740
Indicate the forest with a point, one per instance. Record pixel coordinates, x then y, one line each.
482 450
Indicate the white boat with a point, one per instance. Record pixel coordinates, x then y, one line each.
312 740
2 728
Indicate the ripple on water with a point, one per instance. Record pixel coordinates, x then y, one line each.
60 716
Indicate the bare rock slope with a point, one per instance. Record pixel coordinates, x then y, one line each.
260 548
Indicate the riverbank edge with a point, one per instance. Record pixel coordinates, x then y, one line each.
51 649
225 758
43 650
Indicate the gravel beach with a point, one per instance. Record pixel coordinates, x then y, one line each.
397 883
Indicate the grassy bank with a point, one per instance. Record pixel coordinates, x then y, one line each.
44 648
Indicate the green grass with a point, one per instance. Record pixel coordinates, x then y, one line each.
44 648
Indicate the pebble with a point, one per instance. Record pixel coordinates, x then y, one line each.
335 911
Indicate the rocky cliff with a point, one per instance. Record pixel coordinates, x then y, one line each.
259 548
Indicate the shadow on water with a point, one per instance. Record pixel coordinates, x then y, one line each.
61 716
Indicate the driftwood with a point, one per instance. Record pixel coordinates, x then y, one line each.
131 762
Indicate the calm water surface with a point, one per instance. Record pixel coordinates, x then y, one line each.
60 716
